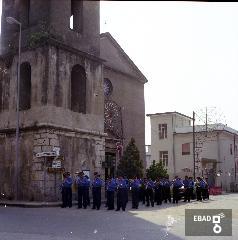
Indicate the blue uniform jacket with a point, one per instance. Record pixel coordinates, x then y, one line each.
80 181
67 182
186 183
158 185
111 185
135 184
167 183
97 182
178 183
86 182
202 184
150 184
121 183
191 184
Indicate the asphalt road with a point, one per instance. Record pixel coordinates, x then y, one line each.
159 223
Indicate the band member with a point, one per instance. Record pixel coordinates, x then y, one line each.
177 183
127 189
167 193
203 185
105 187
186 189
158 191
190 188
85 186
67 190
198 189
135 188
111 188
121 194
207 188
142 190
149 193
80 185
96 191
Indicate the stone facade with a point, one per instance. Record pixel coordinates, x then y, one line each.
80 150
127 92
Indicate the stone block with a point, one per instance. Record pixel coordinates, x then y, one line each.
37 136
42 141
38 176
47 148
49 135
52 185
37 149
37 167
53 135
37 184
54 142
44 135
98 163
50 177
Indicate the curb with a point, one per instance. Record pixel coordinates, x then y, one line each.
29 205
36 204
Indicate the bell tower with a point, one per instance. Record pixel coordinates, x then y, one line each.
72 22
61 97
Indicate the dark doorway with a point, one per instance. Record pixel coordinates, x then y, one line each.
110 159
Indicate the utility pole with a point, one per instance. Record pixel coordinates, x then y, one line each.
194 175
206 122
235 154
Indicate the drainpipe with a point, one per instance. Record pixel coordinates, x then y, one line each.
173 146
235 154
194 175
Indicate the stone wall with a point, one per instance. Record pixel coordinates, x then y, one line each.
129 95
80 151
50 90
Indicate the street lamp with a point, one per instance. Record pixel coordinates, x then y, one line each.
12 20
194 167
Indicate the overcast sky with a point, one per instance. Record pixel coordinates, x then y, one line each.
187 50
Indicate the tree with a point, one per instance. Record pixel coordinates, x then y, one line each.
207 129
131 164
156 170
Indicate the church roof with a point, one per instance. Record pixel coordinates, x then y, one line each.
168 113
117 59
210 128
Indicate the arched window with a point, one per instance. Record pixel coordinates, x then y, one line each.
78 89
76 19
25 87
25 12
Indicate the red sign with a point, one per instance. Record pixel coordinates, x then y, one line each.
215 191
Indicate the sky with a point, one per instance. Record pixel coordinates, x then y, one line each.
188 51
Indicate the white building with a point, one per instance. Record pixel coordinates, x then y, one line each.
148 156
215 148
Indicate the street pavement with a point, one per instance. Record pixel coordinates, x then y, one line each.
164 222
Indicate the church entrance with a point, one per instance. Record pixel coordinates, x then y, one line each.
109 164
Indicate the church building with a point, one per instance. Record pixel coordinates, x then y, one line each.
81 98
